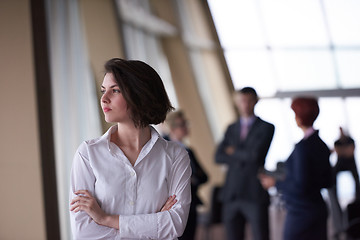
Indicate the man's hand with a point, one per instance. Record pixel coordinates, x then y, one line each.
229 150
266 181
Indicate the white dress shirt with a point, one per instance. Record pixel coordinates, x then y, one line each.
135 193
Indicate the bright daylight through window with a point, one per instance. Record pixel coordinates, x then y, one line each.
285 48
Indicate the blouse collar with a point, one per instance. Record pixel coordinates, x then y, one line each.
154 136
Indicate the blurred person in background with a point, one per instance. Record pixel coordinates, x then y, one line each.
178 131
243 149
344 148
308 170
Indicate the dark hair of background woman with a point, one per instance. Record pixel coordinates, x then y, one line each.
306 109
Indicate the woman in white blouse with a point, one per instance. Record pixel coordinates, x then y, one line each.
130 183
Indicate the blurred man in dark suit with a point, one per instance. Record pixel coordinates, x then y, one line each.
244 148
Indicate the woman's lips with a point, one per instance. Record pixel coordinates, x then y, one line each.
106 109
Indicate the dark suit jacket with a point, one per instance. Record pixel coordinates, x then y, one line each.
307 171
249 157
198 177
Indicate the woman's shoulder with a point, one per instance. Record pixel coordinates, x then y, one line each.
92 143
312 144
172 148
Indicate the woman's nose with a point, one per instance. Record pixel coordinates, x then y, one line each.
105 98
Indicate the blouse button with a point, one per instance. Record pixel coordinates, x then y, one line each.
131 203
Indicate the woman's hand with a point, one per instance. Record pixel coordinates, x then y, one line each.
266 181
84 201
169 203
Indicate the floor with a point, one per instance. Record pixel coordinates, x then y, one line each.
216 231
277 216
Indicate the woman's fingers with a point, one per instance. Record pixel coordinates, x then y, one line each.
169 203
78 202
82 200
84 193
76 207
79 198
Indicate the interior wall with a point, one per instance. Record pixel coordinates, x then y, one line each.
217 73
22 207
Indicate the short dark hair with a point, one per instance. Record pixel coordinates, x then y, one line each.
143 90
248 90
306 109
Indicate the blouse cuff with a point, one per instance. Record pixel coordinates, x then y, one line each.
138 226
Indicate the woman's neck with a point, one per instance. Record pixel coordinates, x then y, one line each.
307 131
130 137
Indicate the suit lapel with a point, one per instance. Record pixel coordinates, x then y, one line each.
237 133
252 128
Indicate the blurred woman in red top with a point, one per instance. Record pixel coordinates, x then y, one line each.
307 172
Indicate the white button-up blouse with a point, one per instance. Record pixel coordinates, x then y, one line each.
135 193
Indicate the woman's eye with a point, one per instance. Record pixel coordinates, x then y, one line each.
102 91
116 91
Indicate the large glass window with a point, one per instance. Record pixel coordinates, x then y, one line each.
141 32
295 47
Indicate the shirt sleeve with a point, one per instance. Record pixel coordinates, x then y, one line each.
168 224
296 182
82 178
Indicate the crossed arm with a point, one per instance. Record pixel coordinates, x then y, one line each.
87 203
228 153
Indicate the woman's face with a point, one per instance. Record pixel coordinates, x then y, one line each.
180 129
112 101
